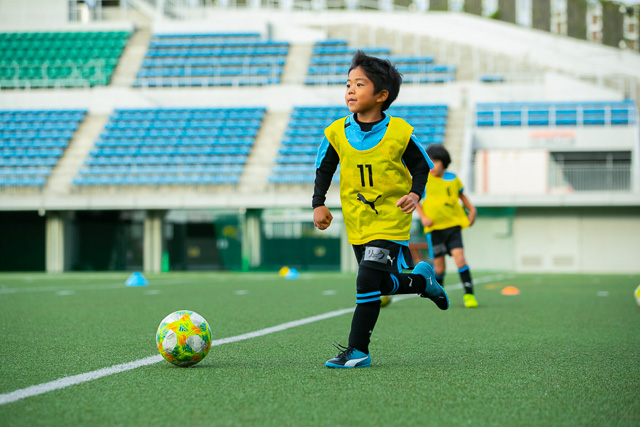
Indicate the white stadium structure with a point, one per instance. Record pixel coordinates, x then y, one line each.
181 135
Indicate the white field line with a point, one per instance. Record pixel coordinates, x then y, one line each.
75 379
94 375
99 286
121 285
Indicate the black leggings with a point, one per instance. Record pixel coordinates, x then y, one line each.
370 285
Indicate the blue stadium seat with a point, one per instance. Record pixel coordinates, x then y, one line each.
333 50
22 181
218 35
589 113
218 59
332 42
172 146
295 163
330 63
491 78
31 141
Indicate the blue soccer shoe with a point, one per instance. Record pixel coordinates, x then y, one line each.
349 357
433 291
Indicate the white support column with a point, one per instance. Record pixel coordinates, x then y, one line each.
152 246
319 5
160 9
422 5
386 5
251 240
54 242
286 5
635 159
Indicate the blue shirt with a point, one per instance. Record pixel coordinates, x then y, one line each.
362 141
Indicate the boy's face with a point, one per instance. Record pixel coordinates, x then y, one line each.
360 96
437 169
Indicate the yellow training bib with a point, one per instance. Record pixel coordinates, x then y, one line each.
442 204
371 182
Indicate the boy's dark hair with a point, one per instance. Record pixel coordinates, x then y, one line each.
381 72
438 152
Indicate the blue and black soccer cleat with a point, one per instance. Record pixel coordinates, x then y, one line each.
434 291
349 357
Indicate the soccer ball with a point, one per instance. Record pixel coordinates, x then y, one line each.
183 338
636 294
385 300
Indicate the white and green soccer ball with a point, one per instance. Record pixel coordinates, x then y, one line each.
183 338
636 294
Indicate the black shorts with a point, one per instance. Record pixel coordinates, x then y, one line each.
441 242
383 255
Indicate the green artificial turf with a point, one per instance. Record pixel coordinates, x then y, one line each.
563 352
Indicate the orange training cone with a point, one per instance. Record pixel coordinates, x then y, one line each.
510 290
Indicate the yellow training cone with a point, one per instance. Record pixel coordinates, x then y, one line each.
283 271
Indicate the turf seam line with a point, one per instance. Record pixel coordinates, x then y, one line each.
123 367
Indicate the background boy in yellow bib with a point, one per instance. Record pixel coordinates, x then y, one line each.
383 172
444 218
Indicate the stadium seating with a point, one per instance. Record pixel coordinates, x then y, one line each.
215 59
492 78
331 58
59 59
172 146
598 113
297 155
32 141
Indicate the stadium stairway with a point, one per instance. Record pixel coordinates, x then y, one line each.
264 152
61 178
132 57
453 138
295 69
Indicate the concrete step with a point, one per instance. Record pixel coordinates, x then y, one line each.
454 135
295 69
263 154
131 59
60 181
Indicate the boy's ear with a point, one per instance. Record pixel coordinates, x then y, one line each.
382 95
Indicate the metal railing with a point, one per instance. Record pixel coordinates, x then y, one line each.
583 177
577 178
80 74
554 115
180 8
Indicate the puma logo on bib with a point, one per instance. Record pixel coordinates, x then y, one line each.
366 202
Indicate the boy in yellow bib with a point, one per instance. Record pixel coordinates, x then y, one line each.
383 173
443 219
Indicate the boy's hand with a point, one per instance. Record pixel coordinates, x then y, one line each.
322 217
408 203
426 222
472 216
